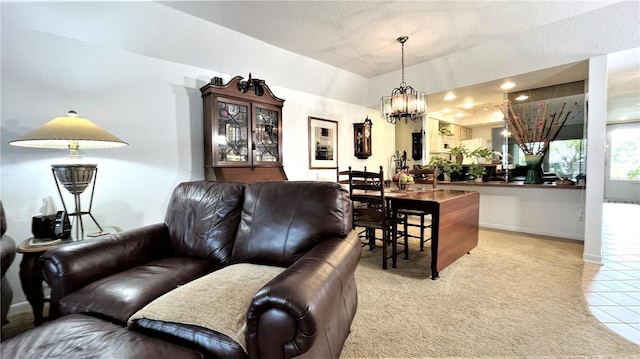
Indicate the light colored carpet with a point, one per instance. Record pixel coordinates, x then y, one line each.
514 296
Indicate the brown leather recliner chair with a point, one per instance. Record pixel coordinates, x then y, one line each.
306 310
7 254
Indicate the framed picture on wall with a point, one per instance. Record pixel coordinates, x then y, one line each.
323 143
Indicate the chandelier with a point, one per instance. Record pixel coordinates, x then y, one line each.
404 102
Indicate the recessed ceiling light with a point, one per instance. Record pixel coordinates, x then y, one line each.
624 118
459 114
508 85
446 110
522 97
468 105
450 96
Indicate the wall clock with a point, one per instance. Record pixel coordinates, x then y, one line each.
362 139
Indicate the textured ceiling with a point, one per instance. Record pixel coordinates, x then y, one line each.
360 36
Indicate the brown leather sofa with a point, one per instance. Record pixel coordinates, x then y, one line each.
7 255
306 310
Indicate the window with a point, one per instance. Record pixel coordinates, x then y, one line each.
625 155
566 158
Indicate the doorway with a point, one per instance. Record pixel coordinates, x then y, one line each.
622 166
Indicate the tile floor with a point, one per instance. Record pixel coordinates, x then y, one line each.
613 289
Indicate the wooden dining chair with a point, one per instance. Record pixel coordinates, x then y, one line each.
342 177
421 176
366 190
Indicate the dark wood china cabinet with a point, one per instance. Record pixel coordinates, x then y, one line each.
242 131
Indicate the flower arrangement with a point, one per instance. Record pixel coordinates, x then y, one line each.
534 126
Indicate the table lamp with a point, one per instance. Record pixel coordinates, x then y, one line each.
72 132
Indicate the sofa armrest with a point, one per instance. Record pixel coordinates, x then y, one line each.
75 265
308 308
7 253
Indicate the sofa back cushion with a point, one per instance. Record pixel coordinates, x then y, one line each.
202 218
281 221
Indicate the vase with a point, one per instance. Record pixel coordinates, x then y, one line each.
534 169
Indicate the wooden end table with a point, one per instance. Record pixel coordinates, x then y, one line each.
31 276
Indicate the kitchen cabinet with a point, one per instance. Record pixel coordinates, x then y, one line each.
439 143
435 140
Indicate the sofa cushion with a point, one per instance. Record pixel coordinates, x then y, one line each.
80 336
281 221
118 296
203 217
216 303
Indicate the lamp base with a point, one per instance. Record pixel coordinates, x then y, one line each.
76 178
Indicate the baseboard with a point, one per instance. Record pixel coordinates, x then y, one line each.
18 308
624 201
592 258
531 231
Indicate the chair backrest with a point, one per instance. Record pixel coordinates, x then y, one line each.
282 221
342 177
367 195
202 218
424 176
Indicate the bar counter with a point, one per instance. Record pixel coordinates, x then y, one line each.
514 184
542 209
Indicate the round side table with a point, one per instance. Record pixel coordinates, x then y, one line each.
31 277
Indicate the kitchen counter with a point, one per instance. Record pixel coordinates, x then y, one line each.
515 184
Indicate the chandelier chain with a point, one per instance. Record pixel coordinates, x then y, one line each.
402 62
402 40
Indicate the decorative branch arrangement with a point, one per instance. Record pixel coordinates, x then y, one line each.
534 126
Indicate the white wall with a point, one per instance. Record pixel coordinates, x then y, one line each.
403 137
298 106
483 132
135 69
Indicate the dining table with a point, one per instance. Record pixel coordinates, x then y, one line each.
454 217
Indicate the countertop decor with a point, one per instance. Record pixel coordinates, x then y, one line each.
535 124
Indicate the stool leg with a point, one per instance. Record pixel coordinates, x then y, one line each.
421 232
406 227
406 245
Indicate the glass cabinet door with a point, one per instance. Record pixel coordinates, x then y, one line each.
267 135
233 128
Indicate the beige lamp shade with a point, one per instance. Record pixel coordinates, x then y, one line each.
71 132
